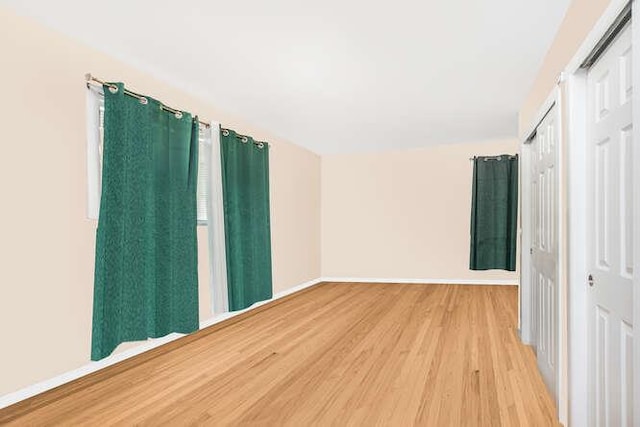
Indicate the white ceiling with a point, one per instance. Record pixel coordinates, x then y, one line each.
333 75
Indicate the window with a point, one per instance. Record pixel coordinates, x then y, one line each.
204 174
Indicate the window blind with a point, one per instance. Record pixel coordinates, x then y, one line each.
204 175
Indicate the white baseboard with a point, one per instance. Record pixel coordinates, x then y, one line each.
32 390
513 282
525 342
224 316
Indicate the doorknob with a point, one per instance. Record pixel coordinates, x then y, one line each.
590 280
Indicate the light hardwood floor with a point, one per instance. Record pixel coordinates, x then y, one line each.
336 354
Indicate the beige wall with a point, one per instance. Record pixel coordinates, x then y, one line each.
402 214
578 21
46 242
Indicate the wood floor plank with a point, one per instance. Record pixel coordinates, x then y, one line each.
357 354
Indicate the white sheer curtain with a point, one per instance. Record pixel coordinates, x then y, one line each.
217 248
95 107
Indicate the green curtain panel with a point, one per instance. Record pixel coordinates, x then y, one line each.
245 181
146 282
494 213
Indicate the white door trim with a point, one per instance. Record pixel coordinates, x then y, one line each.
562 291
525 323
635 42
576 133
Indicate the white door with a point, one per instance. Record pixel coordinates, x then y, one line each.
610 236
544 248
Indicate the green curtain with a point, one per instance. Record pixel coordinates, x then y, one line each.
146 282
494 213
245 182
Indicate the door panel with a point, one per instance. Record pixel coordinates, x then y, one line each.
626 363
610 235
602 207
602 353
544 251
626 199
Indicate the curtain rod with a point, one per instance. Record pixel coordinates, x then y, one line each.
485 158
91 79
611 33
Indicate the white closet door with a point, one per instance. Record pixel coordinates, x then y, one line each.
610 236
544 248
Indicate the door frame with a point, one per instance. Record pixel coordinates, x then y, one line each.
572 91
635 42
525 321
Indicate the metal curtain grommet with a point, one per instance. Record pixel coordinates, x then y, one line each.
245 139
113 88
225 132
261 145
178 114
144 101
